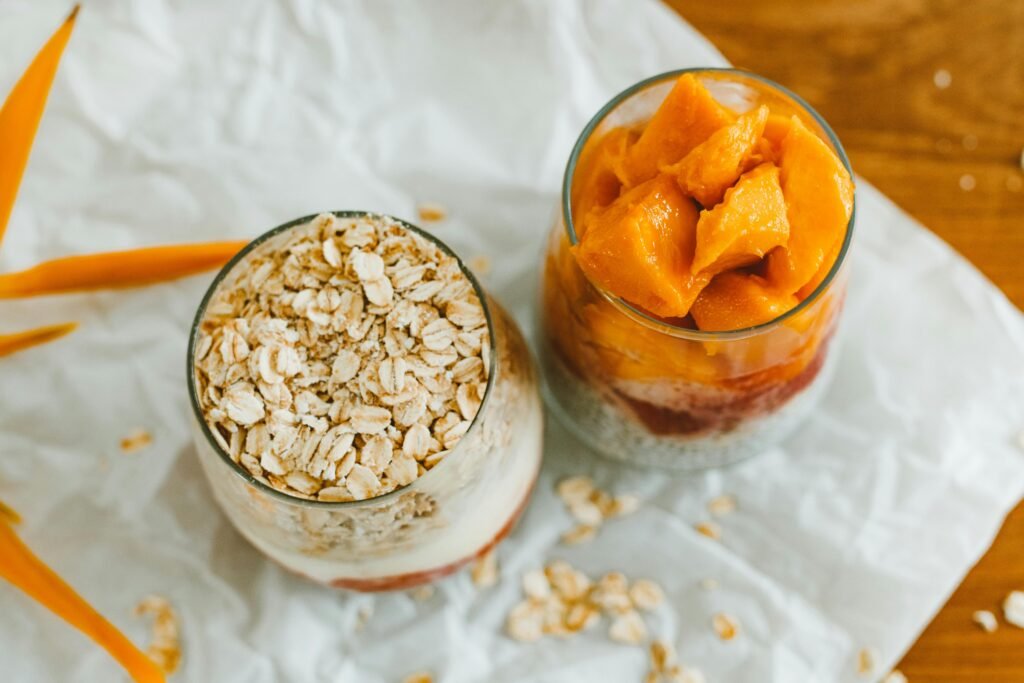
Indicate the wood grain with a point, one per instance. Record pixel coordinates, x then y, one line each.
870 68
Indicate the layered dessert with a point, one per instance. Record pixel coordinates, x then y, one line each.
693 284
366 417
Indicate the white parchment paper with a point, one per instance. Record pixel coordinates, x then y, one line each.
175 121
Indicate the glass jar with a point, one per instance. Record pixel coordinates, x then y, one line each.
456 511
639 389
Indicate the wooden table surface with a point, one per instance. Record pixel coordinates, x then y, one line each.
951 157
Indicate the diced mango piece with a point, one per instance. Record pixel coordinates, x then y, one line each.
775 129
686 118
595 182
734 301
819 202
641 246
749 223
823 271
714 165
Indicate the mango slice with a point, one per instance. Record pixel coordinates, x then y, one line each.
819 201
686 118
750 222
714 165
641 248
734 301
595 181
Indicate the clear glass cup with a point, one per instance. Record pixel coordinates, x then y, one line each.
456 511
639 389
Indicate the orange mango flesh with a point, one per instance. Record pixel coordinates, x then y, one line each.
714 165
641 248
749 223
596 182
819 202
734 301
686 118
22 568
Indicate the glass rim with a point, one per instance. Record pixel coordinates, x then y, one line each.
645 318
224 272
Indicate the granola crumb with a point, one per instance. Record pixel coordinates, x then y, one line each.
431 212
719 506
709 529
709 584
422 593
136 441
484 571
942 79
480 264
419 677
1013 608
725 626
967 182
985 620
866 661
165 646
895 676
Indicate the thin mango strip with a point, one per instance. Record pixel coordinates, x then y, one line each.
25 571
21 112
117 269
11 343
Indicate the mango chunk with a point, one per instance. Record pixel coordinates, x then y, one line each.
819 202
641 246
686 118
750 222
734 301
714 165
595 182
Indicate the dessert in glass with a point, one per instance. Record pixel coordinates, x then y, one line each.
694 277
365 414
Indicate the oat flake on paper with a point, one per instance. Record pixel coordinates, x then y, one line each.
190 122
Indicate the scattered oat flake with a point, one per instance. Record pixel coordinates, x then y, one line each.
646 594
709 529
970 142
431 212
709 584
866 661
481 264
9 514
942 79
684 674
136 441
663 655
985 620
419 677
895 676
719 506
422 593
967 182
485 570
628 628
579 534
363 615
725 626
165 646
1013 608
